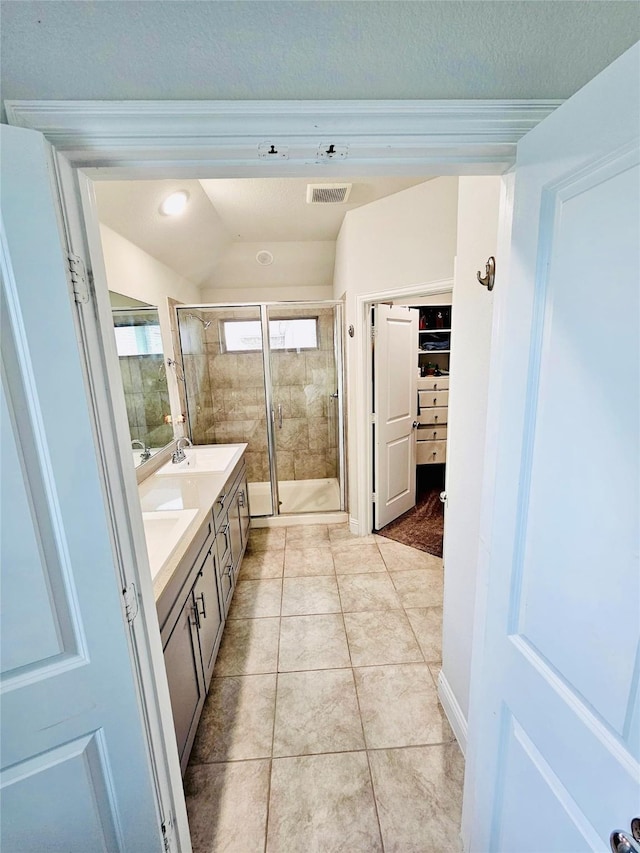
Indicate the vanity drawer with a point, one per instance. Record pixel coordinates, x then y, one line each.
430 452
433 383
433 416
432 432
428 399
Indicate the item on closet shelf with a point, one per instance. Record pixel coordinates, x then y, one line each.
430 369
439 320
423 322
430 346
437 371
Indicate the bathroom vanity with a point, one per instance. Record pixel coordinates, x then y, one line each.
196 517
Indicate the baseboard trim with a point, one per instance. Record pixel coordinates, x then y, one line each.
453 711
354 526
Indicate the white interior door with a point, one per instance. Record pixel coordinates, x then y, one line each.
554 727
395 400
75 770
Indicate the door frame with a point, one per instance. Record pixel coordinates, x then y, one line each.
363 398
133 140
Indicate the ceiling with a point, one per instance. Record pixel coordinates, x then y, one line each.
185 49
224 212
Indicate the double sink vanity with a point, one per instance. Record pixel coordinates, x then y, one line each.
196 522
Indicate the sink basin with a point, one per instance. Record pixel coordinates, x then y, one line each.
163 531
211 459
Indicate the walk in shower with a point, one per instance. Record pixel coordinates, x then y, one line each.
270 375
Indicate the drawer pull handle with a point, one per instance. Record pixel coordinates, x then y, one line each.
435 433
204 609
241 498
196 616
222 499
229 570
435 400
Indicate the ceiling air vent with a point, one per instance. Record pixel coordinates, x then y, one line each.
328 193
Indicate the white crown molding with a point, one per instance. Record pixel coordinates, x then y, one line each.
453 137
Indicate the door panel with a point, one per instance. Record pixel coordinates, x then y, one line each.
395 405
184 675
72 731
207 602
304 376
553 713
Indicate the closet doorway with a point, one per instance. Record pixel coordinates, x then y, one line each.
270 375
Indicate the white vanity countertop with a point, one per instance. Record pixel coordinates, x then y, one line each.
164 493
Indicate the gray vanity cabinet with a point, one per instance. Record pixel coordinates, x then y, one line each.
192 608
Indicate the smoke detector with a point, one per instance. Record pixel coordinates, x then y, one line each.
264 258
328 193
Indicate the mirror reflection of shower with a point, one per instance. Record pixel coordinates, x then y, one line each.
205 323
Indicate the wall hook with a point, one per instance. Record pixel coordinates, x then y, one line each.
490 274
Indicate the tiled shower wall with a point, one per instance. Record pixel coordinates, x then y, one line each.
147 398
226 398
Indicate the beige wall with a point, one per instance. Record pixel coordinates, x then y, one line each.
299 270
403 240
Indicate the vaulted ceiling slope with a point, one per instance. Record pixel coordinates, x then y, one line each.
131 49
225 218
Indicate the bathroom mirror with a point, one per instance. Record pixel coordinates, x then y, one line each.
144 380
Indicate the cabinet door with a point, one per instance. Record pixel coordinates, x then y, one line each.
209 616
243 503
184 673
224 565
235 529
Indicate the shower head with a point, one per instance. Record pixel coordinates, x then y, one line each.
205 323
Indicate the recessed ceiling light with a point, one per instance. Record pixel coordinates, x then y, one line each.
174 204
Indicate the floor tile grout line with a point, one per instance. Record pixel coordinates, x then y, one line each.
273 727
364 736
328 752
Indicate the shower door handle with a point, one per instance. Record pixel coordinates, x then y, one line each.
279 415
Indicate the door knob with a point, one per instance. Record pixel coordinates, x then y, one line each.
416 424
621 842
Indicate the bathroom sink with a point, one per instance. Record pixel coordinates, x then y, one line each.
211 459
163 531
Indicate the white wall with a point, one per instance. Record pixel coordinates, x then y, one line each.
403 240
478 201
132 272
299 269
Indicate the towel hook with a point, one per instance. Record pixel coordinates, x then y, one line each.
490 274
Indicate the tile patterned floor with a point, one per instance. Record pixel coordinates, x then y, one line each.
322 731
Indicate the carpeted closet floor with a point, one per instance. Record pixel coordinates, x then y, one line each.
422 527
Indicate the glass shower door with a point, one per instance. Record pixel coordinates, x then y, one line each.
305 406
224 373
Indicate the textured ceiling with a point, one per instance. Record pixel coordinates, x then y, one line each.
191 243
276 209
223 212
178 49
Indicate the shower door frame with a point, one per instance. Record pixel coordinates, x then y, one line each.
338 346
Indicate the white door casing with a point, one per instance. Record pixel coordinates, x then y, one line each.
395 396
75 766
554 723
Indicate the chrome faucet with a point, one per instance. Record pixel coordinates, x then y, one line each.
146 452
178 454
